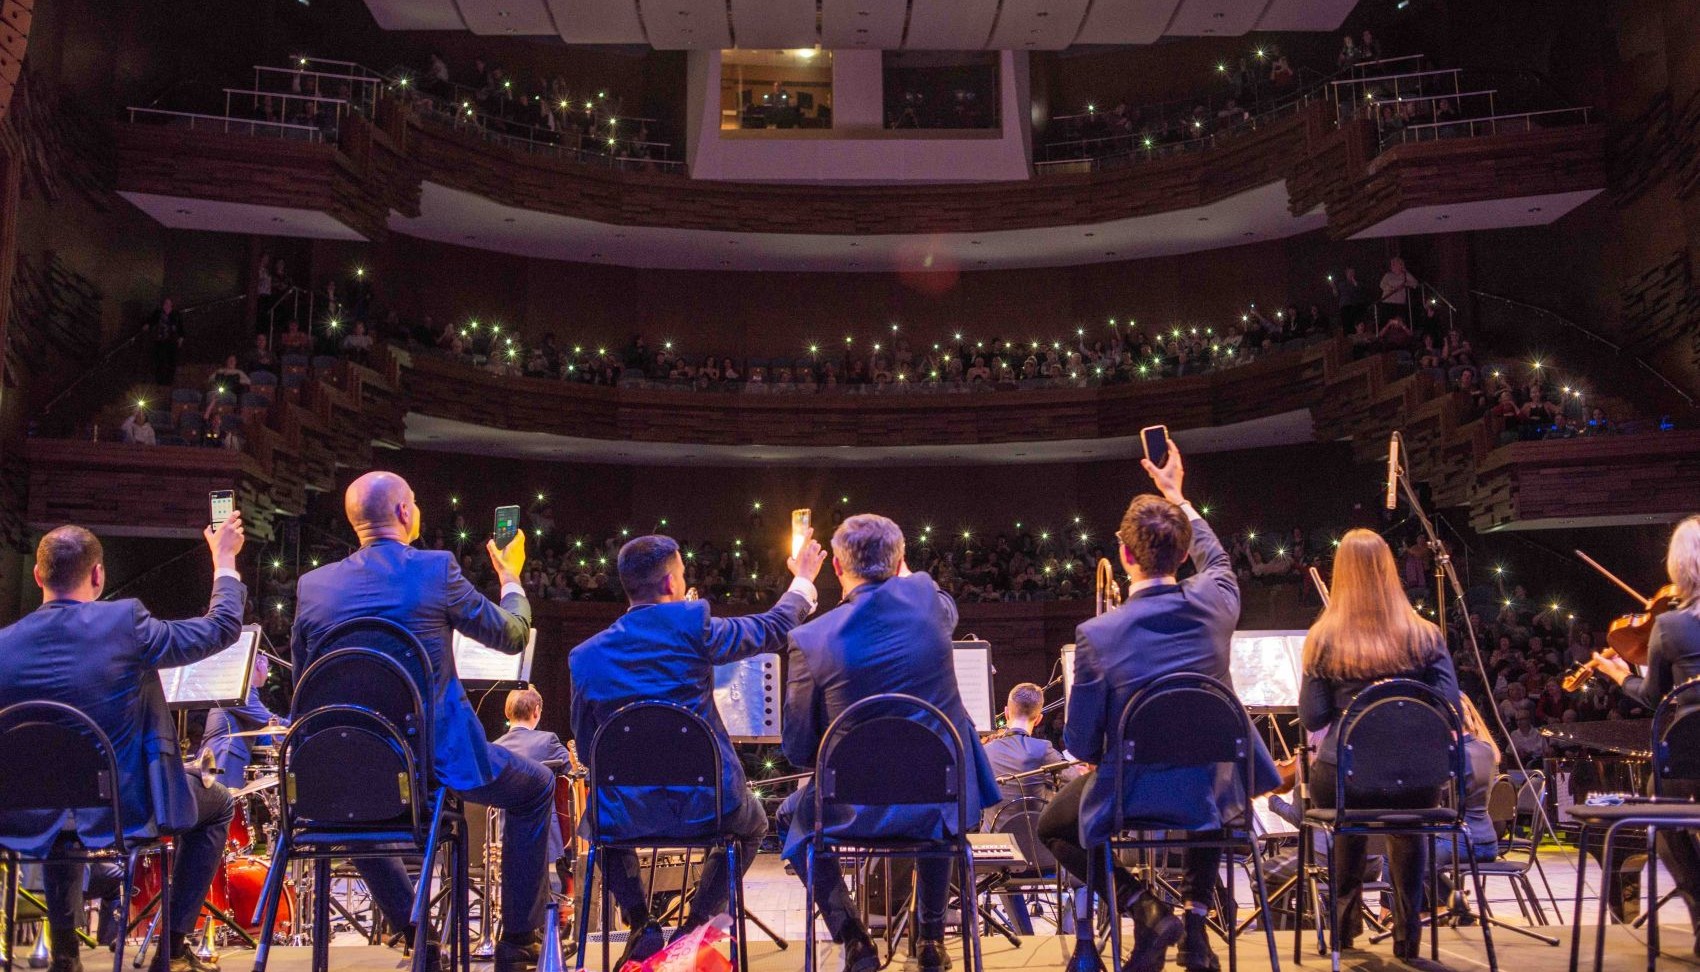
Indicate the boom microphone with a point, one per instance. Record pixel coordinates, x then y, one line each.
1393 471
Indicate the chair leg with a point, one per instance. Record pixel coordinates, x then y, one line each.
270 896
322 919
10 944
1581 882
1434 893
1111 900
1333 906
122 932
1487 926
163 942
975 959
1652 897
1230 924
1268 909
735 905
583 916
607 913
1606 872
809 905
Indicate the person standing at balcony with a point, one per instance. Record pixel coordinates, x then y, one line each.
165 331
1351 297
1399 291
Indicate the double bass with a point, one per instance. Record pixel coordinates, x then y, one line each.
1627 636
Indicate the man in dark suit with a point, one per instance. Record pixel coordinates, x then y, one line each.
664 648
103 658
1166 626
425 592
892 633
524 709
1014 749
230 752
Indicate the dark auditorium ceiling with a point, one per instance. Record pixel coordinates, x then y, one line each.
869 24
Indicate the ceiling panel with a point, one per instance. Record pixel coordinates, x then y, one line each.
1220 18
950 25
499 17
416 14
1128 21
872 24
1038 25
774 23
1306 14
678 25
598 21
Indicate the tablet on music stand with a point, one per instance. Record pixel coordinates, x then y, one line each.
216 681
747 693
1265 670
482 668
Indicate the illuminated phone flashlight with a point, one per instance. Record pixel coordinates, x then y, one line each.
799 530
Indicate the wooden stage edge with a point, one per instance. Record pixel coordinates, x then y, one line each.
1461 950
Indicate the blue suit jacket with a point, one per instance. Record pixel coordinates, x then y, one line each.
667 652
1160 630
424 592
103 658
891 636
540 746
230 753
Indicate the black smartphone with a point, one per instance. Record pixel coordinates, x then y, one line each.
223 503
507 524
1156 440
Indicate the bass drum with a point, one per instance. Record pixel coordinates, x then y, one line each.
237 888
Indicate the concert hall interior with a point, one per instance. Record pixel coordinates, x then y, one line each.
684 485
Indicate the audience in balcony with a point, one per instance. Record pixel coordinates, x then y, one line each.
136 429
295 340
228 378
260 356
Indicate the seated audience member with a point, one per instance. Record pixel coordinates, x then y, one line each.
1166 626
260 356
664 648
358 343
891 633
1527 740
136 429
102 658
228 378
1014 749
297 341
1394 335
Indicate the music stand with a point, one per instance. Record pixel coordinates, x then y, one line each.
217 681
747 694
973 660
483 669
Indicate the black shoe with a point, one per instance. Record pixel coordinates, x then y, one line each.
70 962
515 956
1151 949
183 961
932 955
1195 953
860 954
641 945
1085 957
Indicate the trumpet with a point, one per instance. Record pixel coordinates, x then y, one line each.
1108 594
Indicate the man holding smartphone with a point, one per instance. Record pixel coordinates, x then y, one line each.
425 592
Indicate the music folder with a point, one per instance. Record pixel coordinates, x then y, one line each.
216 681
482 668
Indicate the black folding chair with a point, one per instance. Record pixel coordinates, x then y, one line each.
365 701
1676 757
1399 736
53 760
1019 818
655 745
1185 719
1517 856
854 767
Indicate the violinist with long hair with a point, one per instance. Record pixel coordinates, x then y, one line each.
1673 657
1369 632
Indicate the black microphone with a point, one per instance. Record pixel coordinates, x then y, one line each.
1393 471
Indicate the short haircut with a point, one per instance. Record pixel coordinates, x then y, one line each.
869 546
1156 533
523 705
65 556
1026 700
643 564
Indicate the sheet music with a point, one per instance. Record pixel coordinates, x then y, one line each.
974 681
479 663
1264 668
218 680
1068 669
747 694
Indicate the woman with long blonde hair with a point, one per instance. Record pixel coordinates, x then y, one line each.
1369 632
1673 657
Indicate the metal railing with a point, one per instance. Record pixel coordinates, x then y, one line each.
361 92
1521 122
227 125
1354 96
534 139
294 106
1115 151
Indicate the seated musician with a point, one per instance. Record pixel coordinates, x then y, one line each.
1014 750
664 648
891 633
230 752
102 658
1673 657
524 709
1164 627
425 592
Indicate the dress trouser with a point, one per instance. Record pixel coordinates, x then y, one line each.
1407 860
1059 829
625 879
832 896
195 857
526 790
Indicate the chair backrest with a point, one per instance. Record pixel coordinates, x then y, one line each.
1676 736
891 750
54 757
1399 739
1183 719
318 753
389 638
1502 805
1020 819
369 679
653 745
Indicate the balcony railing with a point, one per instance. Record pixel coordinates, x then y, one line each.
1521 122
226 125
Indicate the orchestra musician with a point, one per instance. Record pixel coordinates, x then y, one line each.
1673 657
425 592
665 648
1369 632
1014 750
103 658
1165 626
230 752
524 709
891 633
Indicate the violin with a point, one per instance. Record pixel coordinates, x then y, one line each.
1628 635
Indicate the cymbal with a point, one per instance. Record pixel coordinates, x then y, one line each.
264 783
